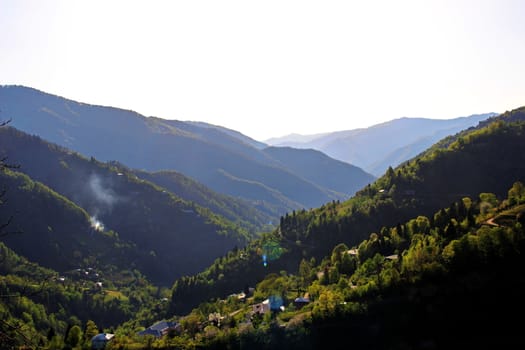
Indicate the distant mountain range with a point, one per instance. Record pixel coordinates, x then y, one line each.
104 202
222 159
376 148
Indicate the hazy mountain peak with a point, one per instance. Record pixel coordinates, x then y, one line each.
379 146
199 150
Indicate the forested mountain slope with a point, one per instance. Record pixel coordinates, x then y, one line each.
337 175
445 280
44 309
221 160
53 230
176 237
487 159
234 209
448 280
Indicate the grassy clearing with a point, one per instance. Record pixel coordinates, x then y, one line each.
115 294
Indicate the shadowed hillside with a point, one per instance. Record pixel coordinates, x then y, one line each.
176 237
489 158
221 159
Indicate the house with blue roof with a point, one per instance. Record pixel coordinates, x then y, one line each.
100 340
299 302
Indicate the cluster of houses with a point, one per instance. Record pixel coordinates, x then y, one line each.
157 330
162 328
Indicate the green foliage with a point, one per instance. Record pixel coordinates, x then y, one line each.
52 307
418 212
440 184
234 209
73 336
144 223
425 274
439 244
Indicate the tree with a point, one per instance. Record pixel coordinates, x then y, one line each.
74 336
89 332
338 252
305 272
4 165
11 333
516 194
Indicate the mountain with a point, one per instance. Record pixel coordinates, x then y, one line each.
220 159
41 307
294 139
234 209
376 148
300 161
54 230
233 133
429 255
175 237
446 280
487 158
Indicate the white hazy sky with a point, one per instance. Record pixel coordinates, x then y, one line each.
269 68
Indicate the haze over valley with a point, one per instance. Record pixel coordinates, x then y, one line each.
104 199
237 175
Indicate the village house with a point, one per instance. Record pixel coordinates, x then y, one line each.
160 329
273 303
262 307
299 302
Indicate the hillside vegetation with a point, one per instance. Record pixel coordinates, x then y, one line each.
444 281
428 256
175 237
485 159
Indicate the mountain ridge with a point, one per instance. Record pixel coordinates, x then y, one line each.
485 158
178 235
367 147
201 152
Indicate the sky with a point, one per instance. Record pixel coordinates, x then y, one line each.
271 68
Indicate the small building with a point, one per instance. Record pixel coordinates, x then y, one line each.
100 340
276 303
261 308
160 329
299 302
273 303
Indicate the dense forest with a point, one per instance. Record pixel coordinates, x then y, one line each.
488 158
428 256
449 280
175 236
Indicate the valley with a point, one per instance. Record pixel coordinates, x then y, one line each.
168 234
